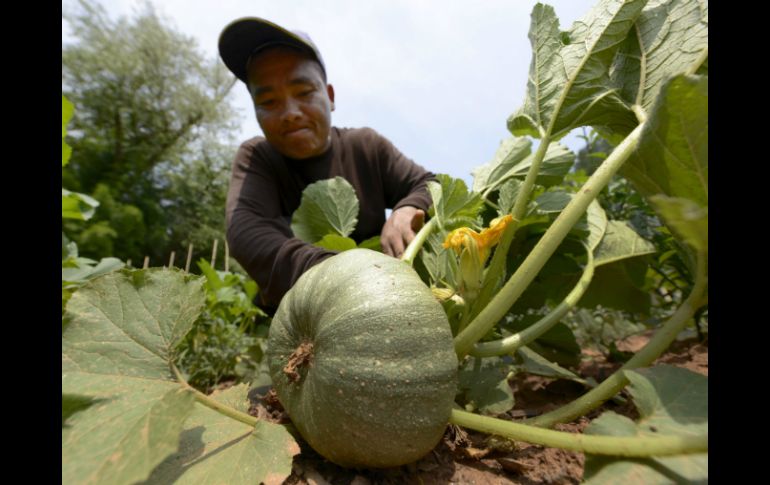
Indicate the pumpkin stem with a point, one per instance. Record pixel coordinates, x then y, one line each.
419 240
302 356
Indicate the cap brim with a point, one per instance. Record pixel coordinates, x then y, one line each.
243 36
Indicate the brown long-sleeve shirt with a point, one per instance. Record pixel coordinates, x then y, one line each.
266 188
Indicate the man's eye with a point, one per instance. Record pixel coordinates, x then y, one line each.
266 103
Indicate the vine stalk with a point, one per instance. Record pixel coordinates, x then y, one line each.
213 404
413 248
513 342
654 348
628 446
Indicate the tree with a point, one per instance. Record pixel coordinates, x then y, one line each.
151 110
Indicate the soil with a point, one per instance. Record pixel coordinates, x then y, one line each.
467 457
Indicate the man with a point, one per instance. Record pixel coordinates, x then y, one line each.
286 78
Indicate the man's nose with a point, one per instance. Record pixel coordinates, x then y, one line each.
291 110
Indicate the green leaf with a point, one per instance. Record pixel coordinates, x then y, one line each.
83 271
510 152
484 384
597 226
618 281
129 322
669 36
213 281
372 243
507 196
556 163
327 207
67 110
77 206
671 401
226 294
534 363
516 160
553 202
116 348
621 242
334 242
687 220
546 208
215 449
451 200
569 84
121 440
672 156
619 285
440 263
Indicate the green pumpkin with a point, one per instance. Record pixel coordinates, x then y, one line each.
362 359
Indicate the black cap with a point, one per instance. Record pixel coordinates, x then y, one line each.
245 36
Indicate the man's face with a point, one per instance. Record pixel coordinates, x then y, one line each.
292 102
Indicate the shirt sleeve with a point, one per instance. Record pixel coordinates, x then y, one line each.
404 181
260 237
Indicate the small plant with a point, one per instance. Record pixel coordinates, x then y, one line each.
228 339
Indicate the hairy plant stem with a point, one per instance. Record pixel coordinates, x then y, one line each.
513 342
546 246
522 198
215 405
629 446
654 348
419 240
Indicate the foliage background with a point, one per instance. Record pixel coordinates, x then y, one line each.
152 136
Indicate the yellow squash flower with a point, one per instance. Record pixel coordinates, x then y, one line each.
474 248
465 237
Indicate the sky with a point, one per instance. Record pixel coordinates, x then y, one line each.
438 78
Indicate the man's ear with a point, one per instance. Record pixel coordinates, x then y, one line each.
330 93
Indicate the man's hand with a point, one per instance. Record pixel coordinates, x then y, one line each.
400 228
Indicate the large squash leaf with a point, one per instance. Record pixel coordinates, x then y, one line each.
618 280
122 410
620 242
569 82
327 207
510 152
452 202
668 37
215 449
116 349
688 220
671 401
672 156
619 285
514 158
